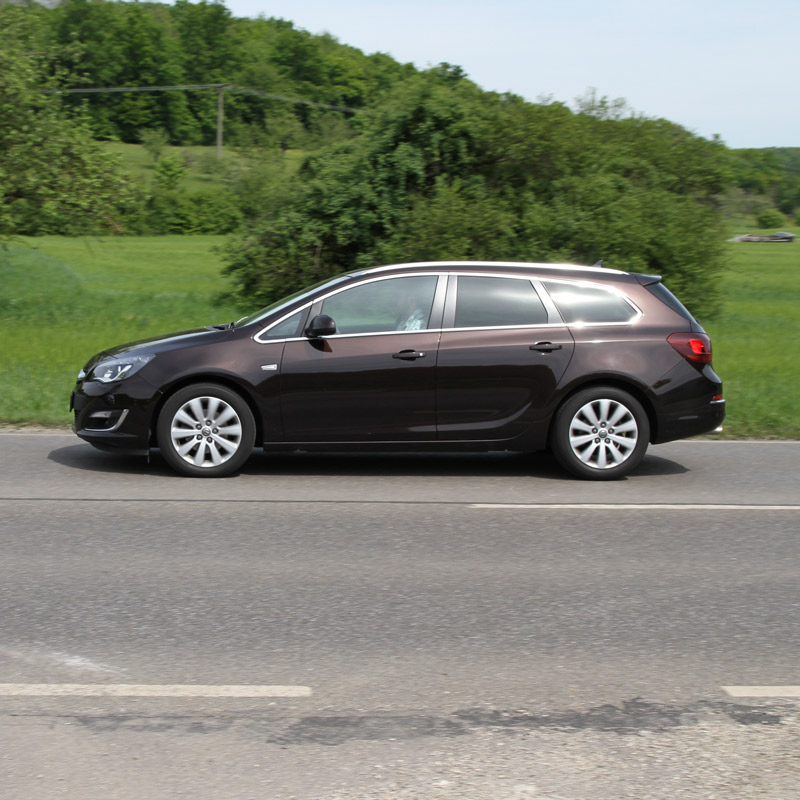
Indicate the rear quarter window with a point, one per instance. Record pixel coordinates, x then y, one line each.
669 300
581 303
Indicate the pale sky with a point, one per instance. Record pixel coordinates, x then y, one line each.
730 68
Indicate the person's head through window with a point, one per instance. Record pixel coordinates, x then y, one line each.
410 316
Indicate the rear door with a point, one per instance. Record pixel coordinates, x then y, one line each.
502 353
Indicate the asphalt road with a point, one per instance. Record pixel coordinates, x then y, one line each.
421 626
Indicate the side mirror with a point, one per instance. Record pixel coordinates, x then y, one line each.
321 325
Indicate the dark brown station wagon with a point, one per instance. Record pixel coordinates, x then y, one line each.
591 363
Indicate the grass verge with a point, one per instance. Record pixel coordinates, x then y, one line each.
64 299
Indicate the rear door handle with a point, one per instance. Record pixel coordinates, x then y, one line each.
408 355
545 347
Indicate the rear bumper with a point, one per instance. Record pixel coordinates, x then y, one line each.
705 418
690 403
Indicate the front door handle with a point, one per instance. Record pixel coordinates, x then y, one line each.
545 347
408 355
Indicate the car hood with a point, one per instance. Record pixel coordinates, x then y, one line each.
163 344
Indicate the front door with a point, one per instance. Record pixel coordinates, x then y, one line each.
374 380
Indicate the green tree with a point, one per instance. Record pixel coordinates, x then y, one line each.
90 34
151 58
53 177
168 172
449 171
154 140
454 222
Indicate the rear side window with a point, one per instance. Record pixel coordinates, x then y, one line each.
484 302
580 303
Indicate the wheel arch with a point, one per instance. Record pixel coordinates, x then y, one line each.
220 380
636 391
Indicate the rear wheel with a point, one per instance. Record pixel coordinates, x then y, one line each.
600 433
205 431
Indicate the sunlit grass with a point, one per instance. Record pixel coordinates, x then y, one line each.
756 340
64 299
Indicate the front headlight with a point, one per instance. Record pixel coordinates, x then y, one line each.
117 369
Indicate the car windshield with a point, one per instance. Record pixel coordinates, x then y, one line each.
289 300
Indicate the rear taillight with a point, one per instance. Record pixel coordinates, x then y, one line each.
694 347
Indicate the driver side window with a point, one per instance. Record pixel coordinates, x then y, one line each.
394 304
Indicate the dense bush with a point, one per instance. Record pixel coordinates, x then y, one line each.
450 172
770 218
173 211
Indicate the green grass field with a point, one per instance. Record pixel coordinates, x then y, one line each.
138 163
756 339
64 299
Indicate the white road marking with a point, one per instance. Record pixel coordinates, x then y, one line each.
637 506
147 690
763 691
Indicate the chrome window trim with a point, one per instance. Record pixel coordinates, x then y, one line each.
637 315
426 330
362 335
423 330
509 327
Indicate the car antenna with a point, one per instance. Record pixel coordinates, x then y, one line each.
598 263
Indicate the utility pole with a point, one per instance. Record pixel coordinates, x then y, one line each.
220 117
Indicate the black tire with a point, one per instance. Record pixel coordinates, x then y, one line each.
594 448
206 431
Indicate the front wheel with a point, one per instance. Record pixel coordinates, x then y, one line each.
600 433
205 431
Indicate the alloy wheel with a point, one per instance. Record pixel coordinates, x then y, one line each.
603 433
206 432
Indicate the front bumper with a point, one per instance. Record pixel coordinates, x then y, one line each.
115 418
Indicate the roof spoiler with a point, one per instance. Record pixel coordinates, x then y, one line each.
647 280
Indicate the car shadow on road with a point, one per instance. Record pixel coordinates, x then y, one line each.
302 464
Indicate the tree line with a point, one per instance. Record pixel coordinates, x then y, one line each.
438 168
102 43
